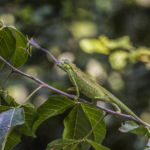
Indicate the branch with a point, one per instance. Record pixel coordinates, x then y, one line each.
68 95
14 70
31 42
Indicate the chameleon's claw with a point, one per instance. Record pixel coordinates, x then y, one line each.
94 103
76 98
118 112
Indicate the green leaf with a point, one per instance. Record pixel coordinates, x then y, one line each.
56 104
120 43
31 116
8 98
13 138
2 99
4 108
62 143
93 45
19 56
7 44
97 146
118 59
132 127
8 120
77 127
94 115
12 47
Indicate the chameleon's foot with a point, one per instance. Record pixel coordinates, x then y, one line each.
76 98
118 112
94 103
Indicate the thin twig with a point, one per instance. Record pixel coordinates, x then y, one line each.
68 95
31 42
31 95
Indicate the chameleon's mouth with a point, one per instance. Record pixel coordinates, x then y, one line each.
65 61
60 64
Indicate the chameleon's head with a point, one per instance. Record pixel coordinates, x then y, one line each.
65 65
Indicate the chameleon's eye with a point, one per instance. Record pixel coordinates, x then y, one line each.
66 61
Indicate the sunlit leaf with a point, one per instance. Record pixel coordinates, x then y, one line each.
132 127
124 43
120 43
8 120
94 115
143 51
97 146
118 60
92 46
56 104
77 127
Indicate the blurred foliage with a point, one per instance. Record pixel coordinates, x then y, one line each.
120 51
59 26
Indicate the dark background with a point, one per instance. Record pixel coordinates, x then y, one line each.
58 26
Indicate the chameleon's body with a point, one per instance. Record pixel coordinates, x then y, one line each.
91 89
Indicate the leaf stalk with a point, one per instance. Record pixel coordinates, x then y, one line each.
41 86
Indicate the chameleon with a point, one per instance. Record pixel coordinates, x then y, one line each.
90 88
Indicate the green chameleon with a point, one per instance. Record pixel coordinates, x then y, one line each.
91 89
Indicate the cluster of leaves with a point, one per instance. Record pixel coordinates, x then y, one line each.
120 51
16 119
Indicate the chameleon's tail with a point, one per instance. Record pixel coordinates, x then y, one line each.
125 108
